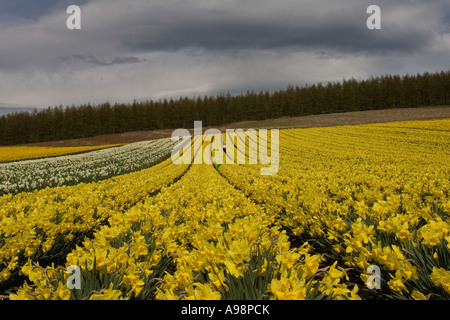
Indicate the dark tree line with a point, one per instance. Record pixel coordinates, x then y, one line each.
60 123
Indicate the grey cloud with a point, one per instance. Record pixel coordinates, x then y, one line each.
91 59
146 49
170 30
197 26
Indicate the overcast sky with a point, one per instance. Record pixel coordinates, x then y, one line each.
153 49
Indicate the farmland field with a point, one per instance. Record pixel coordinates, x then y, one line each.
87 167
345 199
8 154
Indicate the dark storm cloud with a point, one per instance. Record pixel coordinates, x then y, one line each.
227 32
121 28
232 35
158 48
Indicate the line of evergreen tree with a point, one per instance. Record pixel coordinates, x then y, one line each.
60 123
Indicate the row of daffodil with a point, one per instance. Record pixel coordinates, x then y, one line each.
29 175
365 195
45 225
8 154
200 238
438 124
342 196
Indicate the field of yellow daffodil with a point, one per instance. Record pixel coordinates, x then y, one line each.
8 154
344 198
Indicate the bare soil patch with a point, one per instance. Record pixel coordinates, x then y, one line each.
349 118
